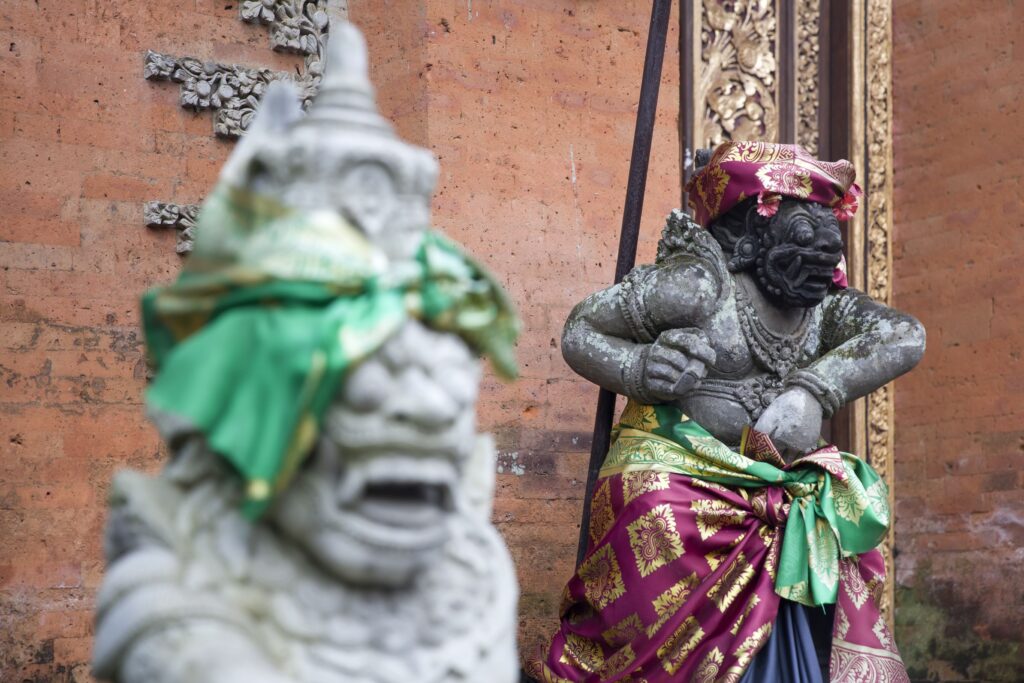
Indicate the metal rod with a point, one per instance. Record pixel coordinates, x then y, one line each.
633 209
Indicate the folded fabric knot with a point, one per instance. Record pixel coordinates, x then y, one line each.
839 508
771 506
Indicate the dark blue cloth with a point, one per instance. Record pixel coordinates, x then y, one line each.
797 650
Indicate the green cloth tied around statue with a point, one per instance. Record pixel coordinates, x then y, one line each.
832 504
275 305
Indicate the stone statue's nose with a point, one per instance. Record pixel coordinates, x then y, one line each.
829 239
422 402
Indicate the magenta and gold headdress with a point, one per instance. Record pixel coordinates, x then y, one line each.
770 171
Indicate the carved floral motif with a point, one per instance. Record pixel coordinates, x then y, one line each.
808 20
295 26
180 217
233 92
737 81
878 148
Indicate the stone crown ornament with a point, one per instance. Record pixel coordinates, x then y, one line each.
381 184
345 114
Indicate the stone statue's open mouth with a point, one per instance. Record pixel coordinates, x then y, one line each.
404 504
401 498
802 269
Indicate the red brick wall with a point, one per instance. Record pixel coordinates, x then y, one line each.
84 141
530 106
959 162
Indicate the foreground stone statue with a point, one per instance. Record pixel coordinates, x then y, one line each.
719 518
325 515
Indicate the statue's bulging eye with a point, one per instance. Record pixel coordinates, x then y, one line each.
803 234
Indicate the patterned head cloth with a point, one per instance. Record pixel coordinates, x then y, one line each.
274 307
740 170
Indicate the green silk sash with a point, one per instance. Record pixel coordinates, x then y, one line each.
838 504
271 310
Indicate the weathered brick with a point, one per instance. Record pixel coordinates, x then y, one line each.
955 268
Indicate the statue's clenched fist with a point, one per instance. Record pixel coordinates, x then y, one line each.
793 421
675 363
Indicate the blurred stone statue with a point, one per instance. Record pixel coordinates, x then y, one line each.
325 514
727 541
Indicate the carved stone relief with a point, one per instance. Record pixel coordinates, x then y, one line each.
736 82
362 548
233 92
181 217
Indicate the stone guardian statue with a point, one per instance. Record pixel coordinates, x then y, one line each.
325 513
727 541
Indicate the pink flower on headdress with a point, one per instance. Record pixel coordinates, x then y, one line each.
839 276
768 203
847 206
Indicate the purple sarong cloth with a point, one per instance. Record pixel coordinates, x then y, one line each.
678 585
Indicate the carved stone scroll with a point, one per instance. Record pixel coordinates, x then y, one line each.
180 217
233 92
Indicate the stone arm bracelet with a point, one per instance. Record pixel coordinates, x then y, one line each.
633 374
865 343
631 303
825 393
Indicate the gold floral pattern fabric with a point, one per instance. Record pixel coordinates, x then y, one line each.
714 515
602 578
636 484
601 516
582 653
654 539
682 585
741 169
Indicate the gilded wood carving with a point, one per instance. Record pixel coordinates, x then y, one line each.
808 25
736 95
878 154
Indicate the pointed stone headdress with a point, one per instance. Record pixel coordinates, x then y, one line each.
343 119
347 97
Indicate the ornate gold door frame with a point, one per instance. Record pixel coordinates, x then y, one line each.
816 72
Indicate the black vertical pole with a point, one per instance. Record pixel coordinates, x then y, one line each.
638 164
